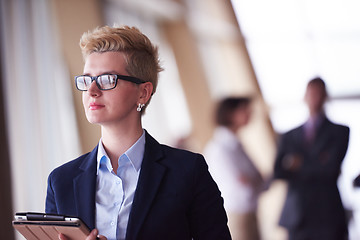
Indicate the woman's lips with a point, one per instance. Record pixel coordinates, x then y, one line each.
95 106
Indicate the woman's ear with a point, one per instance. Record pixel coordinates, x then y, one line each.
146 90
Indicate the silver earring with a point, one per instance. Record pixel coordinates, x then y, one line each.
140 106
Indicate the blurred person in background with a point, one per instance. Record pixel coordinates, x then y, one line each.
130 186
238 179
309 158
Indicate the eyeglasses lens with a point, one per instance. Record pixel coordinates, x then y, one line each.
106 81
83 82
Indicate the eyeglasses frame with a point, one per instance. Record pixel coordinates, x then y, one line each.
118 76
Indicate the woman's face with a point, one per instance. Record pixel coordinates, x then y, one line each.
241 117
115 106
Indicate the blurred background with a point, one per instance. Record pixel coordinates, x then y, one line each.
209 49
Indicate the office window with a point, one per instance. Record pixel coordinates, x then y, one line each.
290 42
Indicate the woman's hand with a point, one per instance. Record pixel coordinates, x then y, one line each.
92 236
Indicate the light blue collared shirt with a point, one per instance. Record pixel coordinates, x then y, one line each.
115 193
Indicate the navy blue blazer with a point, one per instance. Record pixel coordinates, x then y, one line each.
313 202
176 198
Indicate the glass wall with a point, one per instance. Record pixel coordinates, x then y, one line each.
289 43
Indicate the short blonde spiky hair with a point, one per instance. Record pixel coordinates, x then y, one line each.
141 55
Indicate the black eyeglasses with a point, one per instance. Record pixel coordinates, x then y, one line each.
103 82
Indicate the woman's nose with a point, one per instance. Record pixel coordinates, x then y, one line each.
94 90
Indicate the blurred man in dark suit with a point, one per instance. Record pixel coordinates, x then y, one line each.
309 158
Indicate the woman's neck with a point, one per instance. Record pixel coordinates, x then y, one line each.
117 141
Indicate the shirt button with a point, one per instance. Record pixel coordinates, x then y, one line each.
112 223
117 182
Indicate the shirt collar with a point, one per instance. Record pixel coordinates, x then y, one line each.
315 121
135 154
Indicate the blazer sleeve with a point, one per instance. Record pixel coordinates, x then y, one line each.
279 171
331 156
322 161
50 204
207 215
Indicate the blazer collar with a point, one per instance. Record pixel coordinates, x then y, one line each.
151 174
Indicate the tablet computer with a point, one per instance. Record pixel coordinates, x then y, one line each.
35 226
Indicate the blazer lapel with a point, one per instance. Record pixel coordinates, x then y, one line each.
321 137
151 174
299 139
84 190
